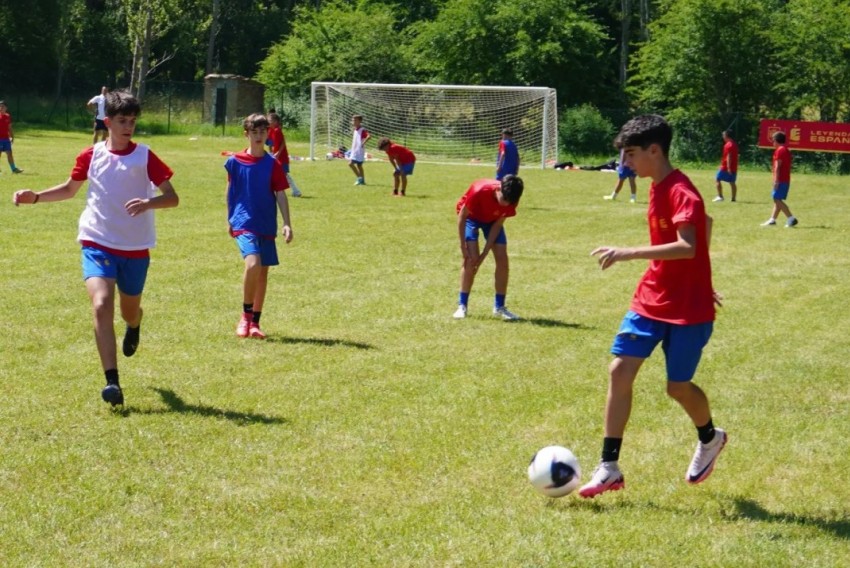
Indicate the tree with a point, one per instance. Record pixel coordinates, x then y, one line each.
340 42
815 48
512 42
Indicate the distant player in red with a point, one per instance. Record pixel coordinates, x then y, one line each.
6 137
402 161
485 206
728 171
673 304
279 150
781 182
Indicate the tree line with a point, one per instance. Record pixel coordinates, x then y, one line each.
703 63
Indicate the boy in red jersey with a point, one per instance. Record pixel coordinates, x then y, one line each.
728 171
255 185
6 137
781 182
279 151
116 228
402 161
672 305
485 206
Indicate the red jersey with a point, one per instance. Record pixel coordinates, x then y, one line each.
401 154
481 203
279 145
158 172
729 161
5 125
782 165
676 291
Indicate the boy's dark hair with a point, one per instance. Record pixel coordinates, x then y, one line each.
254 121
273 116
779 137
3 103
512 187
383 143
728 133
507 132
644 131
122 102
358 117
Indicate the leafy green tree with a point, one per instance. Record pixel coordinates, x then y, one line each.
813 44
339 42
512 42
707 58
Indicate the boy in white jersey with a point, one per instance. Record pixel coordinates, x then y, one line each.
116 228
357 153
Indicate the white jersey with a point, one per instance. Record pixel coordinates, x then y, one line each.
100 101
358 152
113 181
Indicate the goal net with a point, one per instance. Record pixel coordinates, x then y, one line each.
457 123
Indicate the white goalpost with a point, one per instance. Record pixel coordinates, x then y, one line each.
460 123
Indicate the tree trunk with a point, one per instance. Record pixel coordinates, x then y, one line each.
144 65
626 10
216 12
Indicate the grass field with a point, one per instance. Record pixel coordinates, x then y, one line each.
371 429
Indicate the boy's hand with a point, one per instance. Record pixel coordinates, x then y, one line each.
608 256
136 206
26 196
286 231
718 299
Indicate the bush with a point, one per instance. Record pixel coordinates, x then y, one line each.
584 131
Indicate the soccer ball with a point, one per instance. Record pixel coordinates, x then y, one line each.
554 471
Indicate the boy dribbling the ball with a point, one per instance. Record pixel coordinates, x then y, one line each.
116 228
672 305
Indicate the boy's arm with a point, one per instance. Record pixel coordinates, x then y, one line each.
60 192
167 198
283 205
495 229
683 248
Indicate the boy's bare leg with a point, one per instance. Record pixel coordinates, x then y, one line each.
692 399
250 278
622 372
500 255
260 288
734 187
468 269
102 294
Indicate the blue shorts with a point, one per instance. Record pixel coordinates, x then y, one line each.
682 344
266 249
406 169
357 162
781 191
624 172
5 145
99 124
472 227
728 177
128 273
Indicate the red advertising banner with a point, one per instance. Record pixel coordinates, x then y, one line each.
807 136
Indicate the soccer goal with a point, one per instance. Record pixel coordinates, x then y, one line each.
459 123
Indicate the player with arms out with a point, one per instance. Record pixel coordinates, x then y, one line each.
672 305
116 228
402 161
728 171
255 185
484 207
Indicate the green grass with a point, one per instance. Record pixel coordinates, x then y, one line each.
371 429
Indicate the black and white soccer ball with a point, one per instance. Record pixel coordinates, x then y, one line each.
554 471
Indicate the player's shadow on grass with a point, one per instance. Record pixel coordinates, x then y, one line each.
178 405
544 322
749 509
321 341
